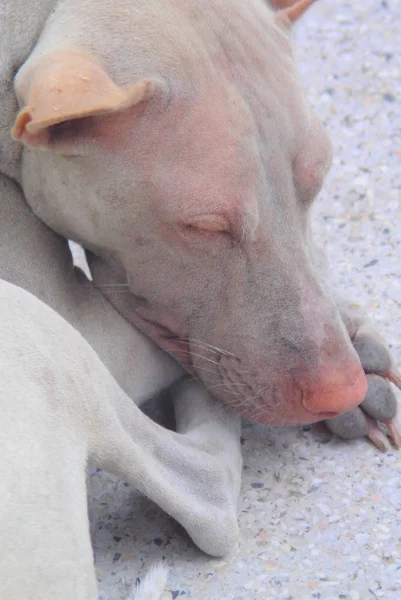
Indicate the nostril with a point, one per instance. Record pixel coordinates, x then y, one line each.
334 391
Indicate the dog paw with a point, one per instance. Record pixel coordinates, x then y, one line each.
379 408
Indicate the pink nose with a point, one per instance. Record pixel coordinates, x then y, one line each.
335 391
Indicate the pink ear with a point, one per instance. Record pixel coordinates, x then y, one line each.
66 86
290 11
280 4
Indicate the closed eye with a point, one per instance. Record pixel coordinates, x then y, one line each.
208 225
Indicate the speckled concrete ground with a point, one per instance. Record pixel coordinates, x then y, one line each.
319 518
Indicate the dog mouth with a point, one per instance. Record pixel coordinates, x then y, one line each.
222 377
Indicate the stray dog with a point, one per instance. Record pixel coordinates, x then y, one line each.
173 141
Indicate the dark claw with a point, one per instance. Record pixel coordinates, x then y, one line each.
376 435
394 376
394 433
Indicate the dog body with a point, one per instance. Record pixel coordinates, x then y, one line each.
173 141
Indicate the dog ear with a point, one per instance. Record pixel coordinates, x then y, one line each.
64 93
290 11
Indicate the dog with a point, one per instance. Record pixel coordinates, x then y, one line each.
173 141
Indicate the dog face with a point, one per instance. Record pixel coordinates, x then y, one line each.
174 141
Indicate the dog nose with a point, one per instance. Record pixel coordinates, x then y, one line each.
335 390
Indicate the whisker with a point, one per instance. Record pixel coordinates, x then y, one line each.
258 414
242 403
242 236
250 398
226 390
195 378
216 348
199 356
262 389
230 384
94 287
201 347
211 387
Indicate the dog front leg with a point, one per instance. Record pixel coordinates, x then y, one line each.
216 430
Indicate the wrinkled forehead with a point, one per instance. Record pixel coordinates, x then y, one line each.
205 151
229 130
269 83
250 93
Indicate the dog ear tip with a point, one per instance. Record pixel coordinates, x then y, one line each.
21 121
288 16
